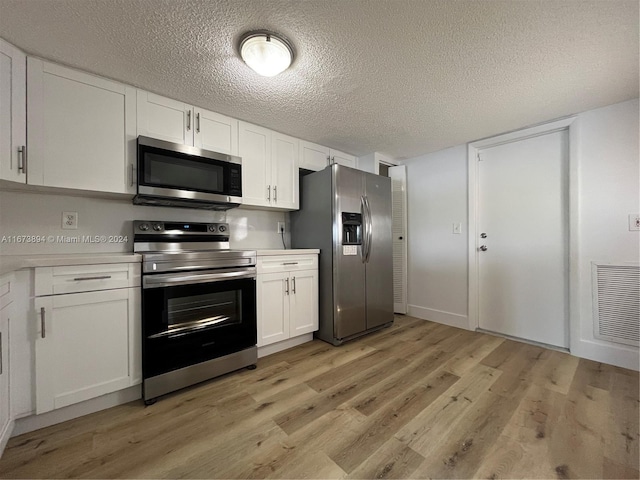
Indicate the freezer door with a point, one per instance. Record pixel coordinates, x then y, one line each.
348 268
379 267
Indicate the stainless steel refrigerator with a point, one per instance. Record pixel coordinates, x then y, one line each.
346 213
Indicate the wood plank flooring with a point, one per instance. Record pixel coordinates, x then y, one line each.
416 400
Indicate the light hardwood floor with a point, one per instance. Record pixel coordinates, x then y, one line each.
417 400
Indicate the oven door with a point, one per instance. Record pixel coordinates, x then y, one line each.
188 323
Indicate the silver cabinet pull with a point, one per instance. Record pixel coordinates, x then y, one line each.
42 323
188 120
269 192
286 288
290 263
293 284
198 122
328 160
132 174
22 159
483 248
333 159
101 277
275 193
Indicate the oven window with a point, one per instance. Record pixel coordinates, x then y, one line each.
197 312
173 172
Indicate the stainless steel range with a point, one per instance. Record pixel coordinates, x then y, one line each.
198 304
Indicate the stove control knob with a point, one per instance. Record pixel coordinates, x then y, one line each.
144 227
222 228
212 228
157 227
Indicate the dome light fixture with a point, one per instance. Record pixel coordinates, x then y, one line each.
265 52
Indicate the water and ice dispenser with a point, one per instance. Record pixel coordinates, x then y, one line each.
351 228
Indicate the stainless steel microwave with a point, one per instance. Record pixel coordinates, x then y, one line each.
174 175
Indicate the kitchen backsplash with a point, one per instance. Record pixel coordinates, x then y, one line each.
31 223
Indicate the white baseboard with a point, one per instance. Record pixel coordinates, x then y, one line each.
35 422
5 435
620 356
284 345
447 318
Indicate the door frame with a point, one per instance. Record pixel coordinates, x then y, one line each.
473 150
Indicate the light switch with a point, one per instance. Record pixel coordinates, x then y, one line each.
457 228
634 222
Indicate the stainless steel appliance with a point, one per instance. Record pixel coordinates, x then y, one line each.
171 174
346 213
198 304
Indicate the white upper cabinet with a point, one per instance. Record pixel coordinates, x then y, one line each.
13 113
164 118
178 122
285 180
81 130
342 158
313 156
269 167
215 132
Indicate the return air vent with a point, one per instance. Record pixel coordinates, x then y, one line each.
616 302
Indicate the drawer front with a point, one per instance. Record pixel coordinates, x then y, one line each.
286 263
86 278
6 287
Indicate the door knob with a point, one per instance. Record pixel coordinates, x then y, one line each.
483 248
483 235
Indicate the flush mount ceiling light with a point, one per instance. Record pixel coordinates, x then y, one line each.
265 52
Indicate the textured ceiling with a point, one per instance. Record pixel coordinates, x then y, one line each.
402 77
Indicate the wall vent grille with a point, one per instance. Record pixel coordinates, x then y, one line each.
616 302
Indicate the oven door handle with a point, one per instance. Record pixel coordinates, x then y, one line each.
170 280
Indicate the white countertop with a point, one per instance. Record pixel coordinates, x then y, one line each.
295 251
10 263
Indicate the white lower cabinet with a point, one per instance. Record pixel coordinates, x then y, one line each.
5 408
87 344
287 297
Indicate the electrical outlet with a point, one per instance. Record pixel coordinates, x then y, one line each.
280 227
69 220
634 222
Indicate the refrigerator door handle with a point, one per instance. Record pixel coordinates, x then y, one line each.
369 231
365 227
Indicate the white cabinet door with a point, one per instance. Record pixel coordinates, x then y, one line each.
5 415
215 132
343 158
86 346
13 113
81 129
284 171
164 118
273 308
255 150
313 156
303 302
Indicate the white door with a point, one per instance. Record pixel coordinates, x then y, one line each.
164 118
5 313
398 177
273 292
523 212
215 132
303 302
284 171
313 156
13 112
343 158
254 146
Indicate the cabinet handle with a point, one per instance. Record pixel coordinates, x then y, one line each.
22 159
293 284
333 159
290 263
275 193
101 277
286 289
269 192
188 120
197 122
133 167
328 160
42 323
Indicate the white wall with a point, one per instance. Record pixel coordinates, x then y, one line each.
28 213
437 258
607 175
